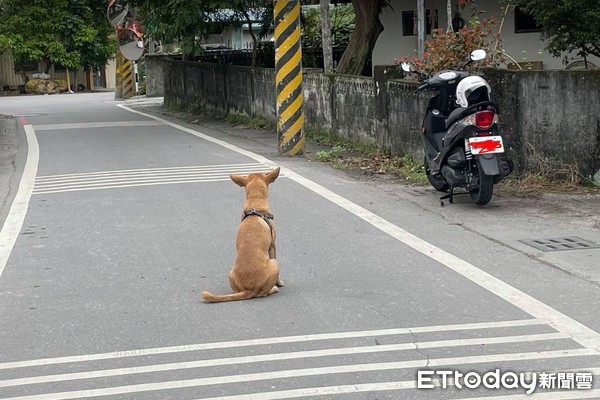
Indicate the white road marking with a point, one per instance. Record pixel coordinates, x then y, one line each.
89 125
14 220
580 333
322 391
401 385
270 341
280 357
120 172
142 177
294 373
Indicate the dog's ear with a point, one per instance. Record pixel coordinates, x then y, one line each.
239 180
271 176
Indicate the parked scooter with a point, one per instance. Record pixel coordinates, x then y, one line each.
462 143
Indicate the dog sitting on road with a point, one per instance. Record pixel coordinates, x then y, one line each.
256 271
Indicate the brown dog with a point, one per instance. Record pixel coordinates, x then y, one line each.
256 271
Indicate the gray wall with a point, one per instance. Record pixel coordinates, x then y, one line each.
550 115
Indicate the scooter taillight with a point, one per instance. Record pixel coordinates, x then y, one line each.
484 119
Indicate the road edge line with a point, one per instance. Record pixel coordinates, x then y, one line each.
18 209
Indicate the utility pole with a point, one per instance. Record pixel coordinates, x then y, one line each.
420 28
288 77
326 35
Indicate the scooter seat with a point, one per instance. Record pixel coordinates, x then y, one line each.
462 112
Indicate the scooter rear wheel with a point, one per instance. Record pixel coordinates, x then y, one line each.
438 184
483 194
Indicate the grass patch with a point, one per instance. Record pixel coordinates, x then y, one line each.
532 184
366 159
252 123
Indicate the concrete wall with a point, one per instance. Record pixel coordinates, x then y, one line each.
218 88
550 115
155 80
554 115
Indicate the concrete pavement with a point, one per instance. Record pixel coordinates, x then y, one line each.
508 219
131 216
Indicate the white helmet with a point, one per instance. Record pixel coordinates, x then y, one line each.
472 90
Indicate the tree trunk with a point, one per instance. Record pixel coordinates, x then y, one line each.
449 28
254 38
367 29
326 35
47 65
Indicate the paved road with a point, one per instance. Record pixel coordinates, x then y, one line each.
122 218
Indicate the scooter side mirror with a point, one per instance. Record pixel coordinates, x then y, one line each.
406 67
478 54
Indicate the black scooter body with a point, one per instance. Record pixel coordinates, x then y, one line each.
448 161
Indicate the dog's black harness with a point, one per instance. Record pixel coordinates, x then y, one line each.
267 217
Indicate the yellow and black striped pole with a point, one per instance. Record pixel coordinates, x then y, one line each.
288 77
125 85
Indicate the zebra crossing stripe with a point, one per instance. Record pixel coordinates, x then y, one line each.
142 177
272 341
288 77
271 357
308 372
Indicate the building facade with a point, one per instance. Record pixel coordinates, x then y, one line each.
520 36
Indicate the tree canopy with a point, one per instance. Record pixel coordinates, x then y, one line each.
73 33
186 21
568 25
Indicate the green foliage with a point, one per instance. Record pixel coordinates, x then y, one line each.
568 25
329 155
183 21
74 33
342 24
414 172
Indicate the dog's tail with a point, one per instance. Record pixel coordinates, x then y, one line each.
214 298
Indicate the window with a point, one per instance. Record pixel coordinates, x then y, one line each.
524 22
409 22
27 67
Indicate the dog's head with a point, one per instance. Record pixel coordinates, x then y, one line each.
256 183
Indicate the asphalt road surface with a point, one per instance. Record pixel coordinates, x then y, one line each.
116 217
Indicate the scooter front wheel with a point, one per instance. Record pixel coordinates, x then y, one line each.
483 193
438 184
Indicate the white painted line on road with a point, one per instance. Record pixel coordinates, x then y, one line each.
14 220
129 185
109 180
281 357
222 167
401 385
270 342
89 125
580 333
320 371
322 391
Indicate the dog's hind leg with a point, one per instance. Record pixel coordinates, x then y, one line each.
234 286
273 281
